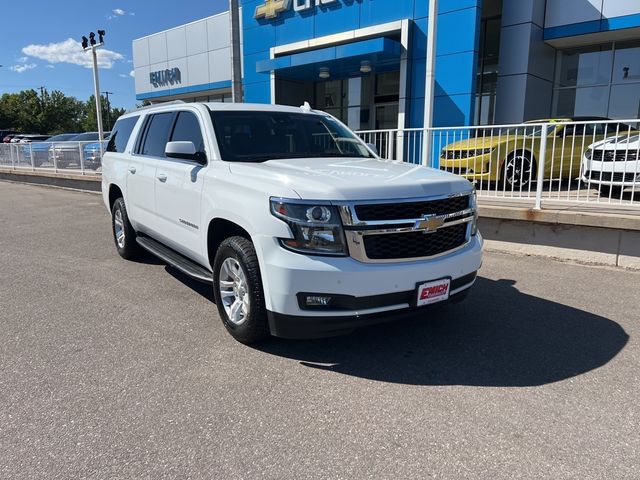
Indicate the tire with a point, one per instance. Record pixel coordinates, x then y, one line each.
237 288
517 169
124 235
613 191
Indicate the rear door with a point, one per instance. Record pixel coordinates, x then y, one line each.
179 189
141 174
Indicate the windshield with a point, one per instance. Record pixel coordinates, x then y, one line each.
85 137
62 137
257 136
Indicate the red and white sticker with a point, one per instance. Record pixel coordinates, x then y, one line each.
433 292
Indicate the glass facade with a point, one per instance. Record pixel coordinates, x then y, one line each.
601 80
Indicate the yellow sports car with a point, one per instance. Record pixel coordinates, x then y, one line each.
508 155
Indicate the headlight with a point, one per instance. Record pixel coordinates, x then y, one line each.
588 154
316 228
474 205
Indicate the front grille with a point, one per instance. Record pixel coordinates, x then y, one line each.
610 176
410 210
415 244
614 155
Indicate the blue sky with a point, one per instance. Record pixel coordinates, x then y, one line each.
35 49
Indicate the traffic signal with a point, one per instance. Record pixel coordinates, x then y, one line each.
101 34
92 38
85 42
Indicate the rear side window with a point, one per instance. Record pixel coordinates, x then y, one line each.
120 134
157 134
187 129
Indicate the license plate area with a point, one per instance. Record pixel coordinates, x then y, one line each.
433 291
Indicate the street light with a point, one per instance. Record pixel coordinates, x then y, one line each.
91 44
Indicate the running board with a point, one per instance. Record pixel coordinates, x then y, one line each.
175 259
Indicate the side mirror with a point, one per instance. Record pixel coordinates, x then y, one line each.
185 151
373 148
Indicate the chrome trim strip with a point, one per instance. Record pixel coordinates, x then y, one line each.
411 229
411 221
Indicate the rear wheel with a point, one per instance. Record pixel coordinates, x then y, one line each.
124 235
519 170
237 288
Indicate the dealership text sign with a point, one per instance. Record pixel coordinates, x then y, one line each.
162 78
272 8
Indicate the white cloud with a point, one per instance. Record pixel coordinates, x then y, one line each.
70 51
50 66
132 73
23 60
119 11
23 67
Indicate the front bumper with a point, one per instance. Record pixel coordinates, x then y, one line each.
613 174
285 274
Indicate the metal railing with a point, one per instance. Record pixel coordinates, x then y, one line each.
587 161
64 157
583 161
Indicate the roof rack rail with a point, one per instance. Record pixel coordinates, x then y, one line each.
159 104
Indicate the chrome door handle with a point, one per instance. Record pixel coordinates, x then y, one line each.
162 177
132 169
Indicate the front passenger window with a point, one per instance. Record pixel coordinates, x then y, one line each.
157 135
187 129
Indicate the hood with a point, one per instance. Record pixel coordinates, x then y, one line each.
477 143
621 142
353 178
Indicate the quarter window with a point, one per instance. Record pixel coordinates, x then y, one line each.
120 134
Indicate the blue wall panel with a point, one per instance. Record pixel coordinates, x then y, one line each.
456 49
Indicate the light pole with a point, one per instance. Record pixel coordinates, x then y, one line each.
106 94
91 44
236 73
429 87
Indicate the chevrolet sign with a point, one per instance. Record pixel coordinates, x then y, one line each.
272 8
162 78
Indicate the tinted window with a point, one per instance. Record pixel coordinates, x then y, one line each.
120 134
255 136
187 129
157 135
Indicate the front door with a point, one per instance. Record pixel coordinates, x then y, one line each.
179 190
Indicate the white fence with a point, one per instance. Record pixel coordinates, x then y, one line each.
64 157
585 161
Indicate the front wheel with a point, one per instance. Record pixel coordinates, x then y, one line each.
519 170
237 288
124 235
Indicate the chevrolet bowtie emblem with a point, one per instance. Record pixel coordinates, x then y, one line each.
271 8
429 223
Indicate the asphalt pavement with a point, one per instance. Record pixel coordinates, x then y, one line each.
115 369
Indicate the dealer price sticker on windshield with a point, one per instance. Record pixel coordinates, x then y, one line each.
433 292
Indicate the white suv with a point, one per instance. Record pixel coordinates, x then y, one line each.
301 228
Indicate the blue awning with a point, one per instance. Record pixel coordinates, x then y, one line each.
342 60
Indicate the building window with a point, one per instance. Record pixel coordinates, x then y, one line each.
601 80
487 76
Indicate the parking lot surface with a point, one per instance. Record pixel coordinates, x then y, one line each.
116 369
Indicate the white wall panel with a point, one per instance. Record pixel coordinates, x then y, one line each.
619 8
566 12
218 32
157 48
220 65
196 37
198 68
176 43
142 80
140 52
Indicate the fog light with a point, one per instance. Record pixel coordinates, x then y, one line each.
317 301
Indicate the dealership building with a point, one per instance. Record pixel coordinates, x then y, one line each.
364 61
